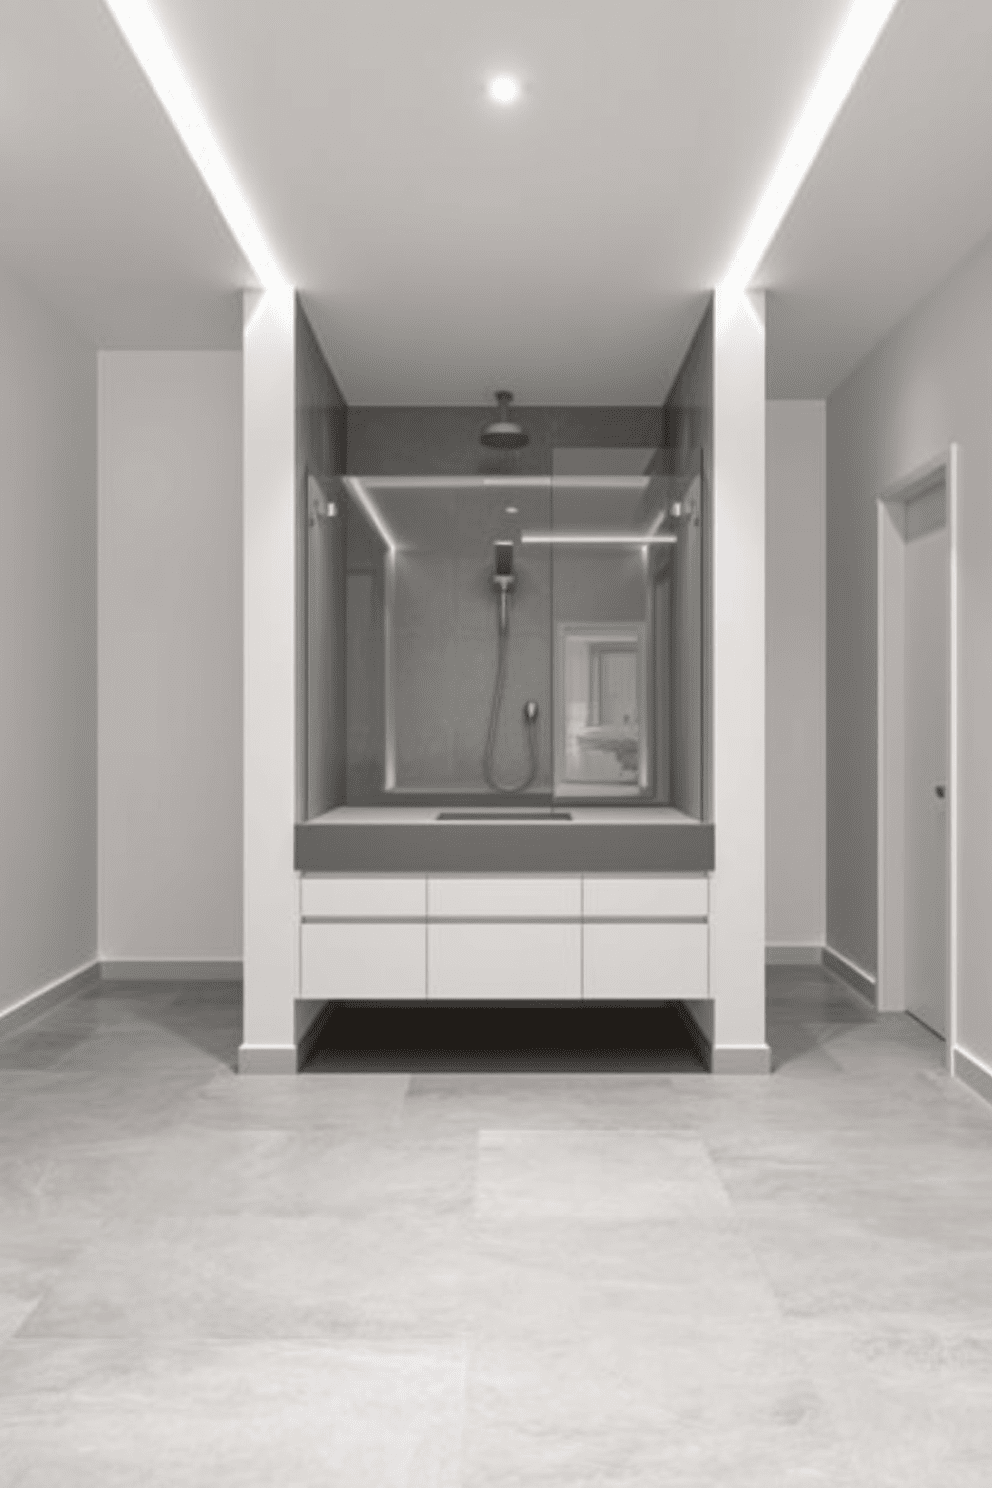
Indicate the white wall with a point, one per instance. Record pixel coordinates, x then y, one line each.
926 385
48 649
271 892
795 676
170 637
737 887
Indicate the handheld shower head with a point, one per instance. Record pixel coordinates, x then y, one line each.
503 562
504 579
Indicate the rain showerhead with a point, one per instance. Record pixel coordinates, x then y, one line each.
504 433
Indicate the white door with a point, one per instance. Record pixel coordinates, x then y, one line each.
927 661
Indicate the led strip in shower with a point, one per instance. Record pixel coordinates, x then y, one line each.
600 539
361 495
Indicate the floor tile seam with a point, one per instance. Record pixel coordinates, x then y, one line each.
453 1343
398 1345
883 1181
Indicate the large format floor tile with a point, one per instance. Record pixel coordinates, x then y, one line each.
462 1277
101 1414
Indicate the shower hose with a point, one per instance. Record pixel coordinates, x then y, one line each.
499 687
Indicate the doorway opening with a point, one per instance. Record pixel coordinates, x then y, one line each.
917 747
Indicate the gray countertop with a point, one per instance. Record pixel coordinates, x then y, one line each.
597 839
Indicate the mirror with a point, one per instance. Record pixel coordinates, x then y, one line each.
601 740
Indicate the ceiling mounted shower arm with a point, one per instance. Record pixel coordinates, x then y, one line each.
504 433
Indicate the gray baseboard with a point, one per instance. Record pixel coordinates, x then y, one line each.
741 1059
851 975
38 1003
171 971
793 955
267 1059
974 1073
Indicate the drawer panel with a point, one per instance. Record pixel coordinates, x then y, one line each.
504 898
644 962
364 961
639 897
500 963
365 897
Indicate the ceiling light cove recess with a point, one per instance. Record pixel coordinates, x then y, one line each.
504 89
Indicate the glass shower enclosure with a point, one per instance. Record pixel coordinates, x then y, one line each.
510 640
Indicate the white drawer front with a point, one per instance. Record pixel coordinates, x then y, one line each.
366 897
644 962
500 963
504 898
637 898
352 962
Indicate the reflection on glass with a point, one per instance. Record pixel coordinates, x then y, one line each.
548 624
602 702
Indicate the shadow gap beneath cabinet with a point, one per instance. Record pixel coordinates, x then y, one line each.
532 1038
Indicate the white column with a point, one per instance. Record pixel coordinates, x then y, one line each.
737 894
271 933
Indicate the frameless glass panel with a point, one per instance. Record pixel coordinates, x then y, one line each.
460 657
618 524
513 640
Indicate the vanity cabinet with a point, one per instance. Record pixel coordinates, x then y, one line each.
496 962
362 961
463 937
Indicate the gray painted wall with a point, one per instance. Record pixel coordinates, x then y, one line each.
795 673
321 440
170 655
48 646
927 384
688 426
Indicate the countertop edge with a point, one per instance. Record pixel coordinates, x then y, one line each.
505 847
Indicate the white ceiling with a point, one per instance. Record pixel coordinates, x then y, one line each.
900 193
444 248
100 208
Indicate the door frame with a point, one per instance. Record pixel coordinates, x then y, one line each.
943 470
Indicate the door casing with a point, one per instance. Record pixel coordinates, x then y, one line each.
939 472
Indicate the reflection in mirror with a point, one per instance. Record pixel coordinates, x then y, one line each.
601 676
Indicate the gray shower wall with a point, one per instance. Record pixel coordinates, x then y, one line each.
321 444
445 650
445 441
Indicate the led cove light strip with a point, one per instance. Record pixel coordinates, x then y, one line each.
158 61
861 30
600 539
361 495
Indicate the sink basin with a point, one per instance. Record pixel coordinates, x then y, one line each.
497 815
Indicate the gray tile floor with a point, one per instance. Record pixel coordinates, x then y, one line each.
490 1276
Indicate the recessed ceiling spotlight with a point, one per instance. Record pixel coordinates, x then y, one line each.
512 511
504 89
